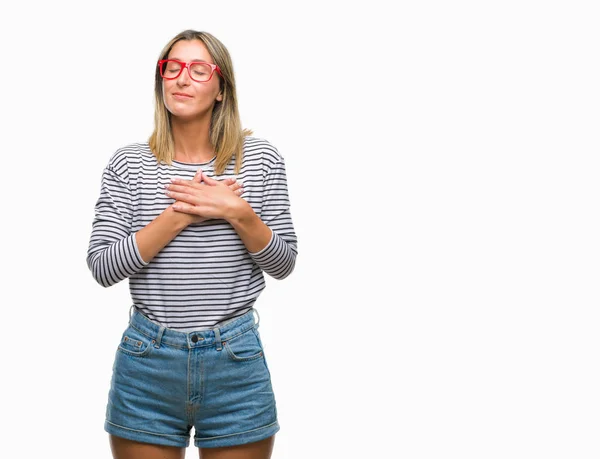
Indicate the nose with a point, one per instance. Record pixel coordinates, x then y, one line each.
184 77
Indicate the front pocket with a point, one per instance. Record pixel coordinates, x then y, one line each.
244 347
135 343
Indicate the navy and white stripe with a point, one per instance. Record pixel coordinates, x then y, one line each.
205 275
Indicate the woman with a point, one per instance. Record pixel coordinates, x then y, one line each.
174 218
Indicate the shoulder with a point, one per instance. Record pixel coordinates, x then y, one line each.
260 150
128 158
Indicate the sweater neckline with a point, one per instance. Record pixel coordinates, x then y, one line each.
192 166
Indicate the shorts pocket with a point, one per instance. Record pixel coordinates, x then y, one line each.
244 347
135 343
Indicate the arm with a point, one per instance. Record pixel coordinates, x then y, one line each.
158 233
270 239
253 232
274 253
152 238
115 252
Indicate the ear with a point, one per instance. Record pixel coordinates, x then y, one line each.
220 97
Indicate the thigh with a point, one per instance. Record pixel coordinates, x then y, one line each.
238 405
258 450
148 392
129 449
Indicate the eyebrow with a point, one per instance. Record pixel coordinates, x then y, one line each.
193 60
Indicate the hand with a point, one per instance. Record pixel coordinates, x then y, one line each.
203 198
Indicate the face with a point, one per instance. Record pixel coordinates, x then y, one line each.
184 97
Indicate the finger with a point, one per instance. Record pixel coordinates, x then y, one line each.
198 177
239 191
184 208
210 181
229 181
178 184
185 197
188 188
235 186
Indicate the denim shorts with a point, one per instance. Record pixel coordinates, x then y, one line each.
165 381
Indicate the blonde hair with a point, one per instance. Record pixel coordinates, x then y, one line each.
226 133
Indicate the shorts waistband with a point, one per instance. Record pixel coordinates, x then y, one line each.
201 338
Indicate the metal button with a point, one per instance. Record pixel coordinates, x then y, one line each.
194 339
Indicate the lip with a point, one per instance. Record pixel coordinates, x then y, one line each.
181 95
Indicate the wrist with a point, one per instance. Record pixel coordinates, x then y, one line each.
179 220
239 211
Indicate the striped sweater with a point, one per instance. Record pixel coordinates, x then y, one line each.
205 275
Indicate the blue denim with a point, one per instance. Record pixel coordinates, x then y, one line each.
165 381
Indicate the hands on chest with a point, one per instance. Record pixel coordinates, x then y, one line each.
203 198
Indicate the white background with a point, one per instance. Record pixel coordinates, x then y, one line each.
443 172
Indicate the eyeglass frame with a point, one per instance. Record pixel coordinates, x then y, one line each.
187 65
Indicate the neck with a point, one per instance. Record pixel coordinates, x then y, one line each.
192 140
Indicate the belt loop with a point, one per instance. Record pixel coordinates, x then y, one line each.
257 317
218 338
130 309
159 337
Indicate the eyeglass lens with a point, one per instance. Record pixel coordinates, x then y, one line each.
198 70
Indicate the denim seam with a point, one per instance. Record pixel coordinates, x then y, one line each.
238 433
129 338
133 353
231 338
227 322
242 359
142 332
145 431
184 347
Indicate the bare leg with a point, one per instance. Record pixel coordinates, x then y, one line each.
129 449
258 450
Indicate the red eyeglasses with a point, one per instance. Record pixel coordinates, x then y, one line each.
198 71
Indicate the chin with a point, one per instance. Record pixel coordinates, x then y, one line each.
189 114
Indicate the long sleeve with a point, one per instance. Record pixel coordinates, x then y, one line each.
113 254
278 258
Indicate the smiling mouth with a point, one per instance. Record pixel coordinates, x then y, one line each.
178 94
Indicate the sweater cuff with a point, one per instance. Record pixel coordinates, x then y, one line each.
264 252
140 263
